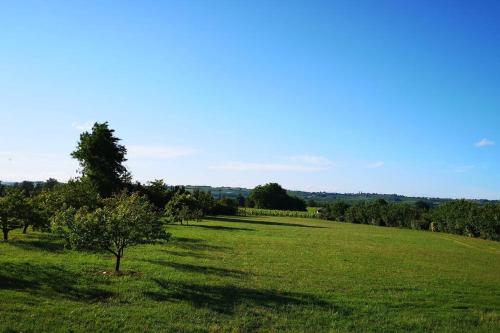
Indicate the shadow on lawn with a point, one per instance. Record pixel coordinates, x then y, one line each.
195 244
49 281
44 242
220 227
186 254
200 269
225 299
239 220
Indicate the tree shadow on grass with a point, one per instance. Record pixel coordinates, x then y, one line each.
220 227
49 281
186 254
195 244
239 220
225 299
44 242
200 269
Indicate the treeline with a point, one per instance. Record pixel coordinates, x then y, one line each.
269 196
22 205
461 217
319 199
103 210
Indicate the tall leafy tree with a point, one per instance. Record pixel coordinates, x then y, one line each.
101 158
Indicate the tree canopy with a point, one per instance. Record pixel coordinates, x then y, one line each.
101 159
124 220
273 196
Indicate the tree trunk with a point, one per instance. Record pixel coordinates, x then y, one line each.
25 229
5 234
117 266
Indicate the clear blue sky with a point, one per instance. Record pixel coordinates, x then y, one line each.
374 96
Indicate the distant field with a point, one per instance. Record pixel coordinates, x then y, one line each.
311 212
268 274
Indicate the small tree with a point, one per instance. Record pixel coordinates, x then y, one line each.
13 211
37 215
204 201
123 221
183 207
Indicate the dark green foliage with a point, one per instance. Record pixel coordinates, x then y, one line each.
457 217
157 192
312 203
489 224
240 199
14 211
423 205
225 206
249 203
50 183
204 201
465 217
101 159
28 188
273 196
37 215
461 217
399 215
384 214
334 212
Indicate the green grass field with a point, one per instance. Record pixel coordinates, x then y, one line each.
269 274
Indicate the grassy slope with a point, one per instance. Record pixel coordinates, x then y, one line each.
259 273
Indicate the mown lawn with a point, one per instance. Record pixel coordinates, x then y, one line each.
269 274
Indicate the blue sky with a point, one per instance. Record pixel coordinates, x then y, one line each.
373 96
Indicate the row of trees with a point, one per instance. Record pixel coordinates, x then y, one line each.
461 217
19 211
103 210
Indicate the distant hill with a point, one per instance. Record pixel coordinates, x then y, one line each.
318 197
325 197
